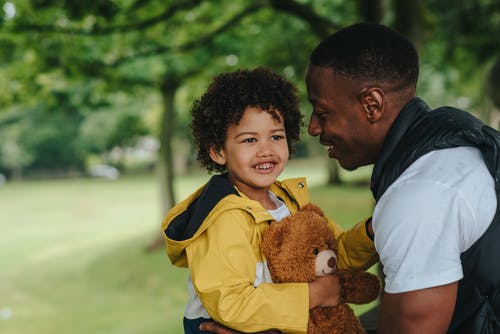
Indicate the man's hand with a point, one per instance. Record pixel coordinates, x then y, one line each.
215 327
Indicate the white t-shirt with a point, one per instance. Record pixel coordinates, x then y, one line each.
281 210
432 213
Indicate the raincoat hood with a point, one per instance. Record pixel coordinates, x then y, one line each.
186 221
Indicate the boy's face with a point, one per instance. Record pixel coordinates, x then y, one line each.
255 152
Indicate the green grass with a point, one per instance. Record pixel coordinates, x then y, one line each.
73 261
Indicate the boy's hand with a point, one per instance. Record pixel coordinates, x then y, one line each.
325 291
215 327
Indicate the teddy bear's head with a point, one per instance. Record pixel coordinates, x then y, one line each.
300 247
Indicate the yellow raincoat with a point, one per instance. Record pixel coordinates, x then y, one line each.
217 231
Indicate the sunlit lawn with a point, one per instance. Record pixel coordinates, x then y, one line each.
72 256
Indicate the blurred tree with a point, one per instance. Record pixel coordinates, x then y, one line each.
462 51
371 10
120 46
77 58
494 83
127 130
52 142
14 157
410 20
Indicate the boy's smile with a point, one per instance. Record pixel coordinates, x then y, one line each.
255 152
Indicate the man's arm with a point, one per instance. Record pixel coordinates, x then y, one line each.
356 248
421 311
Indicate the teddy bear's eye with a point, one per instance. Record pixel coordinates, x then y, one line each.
315 251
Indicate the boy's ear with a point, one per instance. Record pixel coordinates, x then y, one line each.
217 156
372 100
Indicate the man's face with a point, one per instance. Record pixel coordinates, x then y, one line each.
338 117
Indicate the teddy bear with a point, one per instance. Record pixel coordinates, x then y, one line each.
300 248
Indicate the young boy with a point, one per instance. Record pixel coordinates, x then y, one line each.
245 126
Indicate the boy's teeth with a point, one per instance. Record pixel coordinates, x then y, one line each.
265 166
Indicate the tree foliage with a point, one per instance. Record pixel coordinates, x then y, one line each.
95 69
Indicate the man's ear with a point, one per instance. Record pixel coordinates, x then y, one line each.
217 156
372 100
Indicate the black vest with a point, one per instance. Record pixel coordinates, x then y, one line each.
417 131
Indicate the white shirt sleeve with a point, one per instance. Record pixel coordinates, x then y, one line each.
437 209
417 238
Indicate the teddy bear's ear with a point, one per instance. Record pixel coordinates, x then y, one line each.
313 208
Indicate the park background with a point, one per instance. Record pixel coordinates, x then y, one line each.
95 143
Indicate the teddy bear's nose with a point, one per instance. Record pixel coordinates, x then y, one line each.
332 262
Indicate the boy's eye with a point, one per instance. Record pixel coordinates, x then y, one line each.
249 140
277 137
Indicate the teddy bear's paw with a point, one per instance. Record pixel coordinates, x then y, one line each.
360 287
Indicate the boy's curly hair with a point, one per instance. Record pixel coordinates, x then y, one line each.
227 98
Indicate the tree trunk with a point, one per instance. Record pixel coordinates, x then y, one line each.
491 112
493 83
409 20
371 10
165 168
334 172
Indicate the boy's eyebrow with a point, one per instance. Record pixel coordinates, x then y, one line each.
253 133
245 133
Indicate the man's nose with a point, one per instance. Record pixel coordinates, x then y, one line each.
314 128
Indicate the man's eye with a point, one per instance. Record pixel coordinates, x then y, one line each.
249 140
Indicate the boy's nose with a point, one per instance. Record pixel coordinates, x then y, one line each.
265 150
266 153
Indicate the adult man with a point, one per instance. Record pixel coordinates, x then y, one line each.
432 181
436 181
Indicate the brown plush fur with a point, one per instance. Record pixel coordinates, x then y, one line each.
290 247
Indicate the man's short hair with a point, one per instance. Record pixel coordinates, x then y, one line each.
369 52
